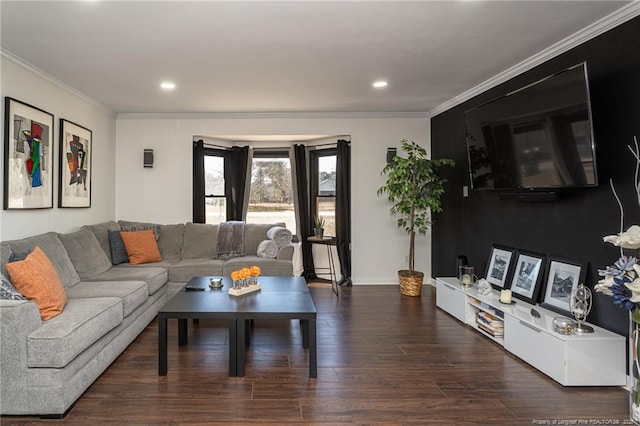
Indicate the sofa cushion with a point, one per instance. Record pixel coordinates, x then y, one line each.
117 248
171 241
271 267
154 277
55 251
200 241
37 279
170 237
129 226
254 233
8 291
101 231
85 253
132 293
186 269
5 252
164 263
61 339
141 246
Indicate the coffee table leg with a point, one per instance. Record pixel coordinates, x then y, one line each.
233 348
247 332
162 346
182 332
313 350
240 348
305 333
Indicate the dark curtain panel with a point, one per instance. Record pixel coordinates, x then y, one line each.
235 173
198 182
343 209
305 225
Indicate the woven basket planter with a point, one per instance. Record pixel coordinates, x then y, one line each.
410 285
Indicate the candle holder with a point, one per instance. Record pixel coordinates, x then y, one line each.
467 275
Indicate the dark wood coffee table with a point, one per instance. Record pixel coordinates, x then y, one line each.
280 298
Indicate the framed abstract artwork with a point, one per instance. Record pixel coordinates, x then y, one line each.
75 165
28 157
527 276
562 277
498 268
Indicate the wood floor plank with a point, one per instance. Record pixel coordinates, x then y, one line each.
383 359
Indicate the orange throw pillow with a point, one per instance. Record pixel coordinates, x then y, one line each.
37 279
141 246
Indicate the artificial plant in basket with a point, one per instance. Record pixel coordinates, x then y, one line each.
414 187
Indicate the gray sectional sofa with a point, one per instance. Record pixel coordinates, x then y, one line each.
45 366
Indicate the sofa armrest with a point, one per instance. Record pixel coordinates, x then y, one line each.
286 252
19 319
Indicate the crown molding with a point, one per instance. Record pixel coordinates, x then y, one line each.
269 115
42 74
601 26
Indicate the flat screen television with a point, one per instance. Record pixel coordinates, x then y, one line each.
539 137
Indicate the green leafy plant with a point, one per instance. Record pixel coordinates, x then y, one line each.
414 187
319 222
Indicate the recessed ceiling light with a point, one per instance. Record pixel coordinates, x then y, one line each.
168 85
380 84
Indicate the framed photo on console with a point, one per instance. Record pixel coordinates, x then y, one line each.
527 276
561 277
498 267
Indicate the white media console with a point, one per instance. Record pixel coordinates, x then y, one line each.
594 359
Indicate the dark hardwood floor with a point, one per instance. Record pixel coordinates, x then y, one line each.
382 359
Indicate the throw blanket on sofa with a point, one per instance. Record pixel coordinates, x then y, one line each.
230 240
282 236
268 249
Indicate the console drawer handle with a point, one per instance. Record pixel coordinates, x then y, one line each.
449 287
536 329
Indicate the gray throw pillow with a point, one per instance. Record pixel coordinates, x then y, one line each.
18 256
118 250
8 291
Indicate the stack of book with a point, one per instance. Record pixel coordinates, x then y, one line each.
490 324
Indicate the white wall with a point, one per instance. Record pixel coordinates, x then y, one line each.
26 85
163 194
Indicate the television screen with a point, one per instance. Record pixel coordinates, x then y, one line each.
538 137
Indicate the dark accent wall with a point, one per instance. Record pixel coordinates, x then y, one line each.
573 226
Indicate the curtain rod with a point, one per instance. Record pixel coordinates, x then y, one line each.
328 144
210 145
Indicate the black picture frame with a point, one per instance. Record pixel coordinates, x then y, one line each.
28 156
527 275
500 265
561 278
74 177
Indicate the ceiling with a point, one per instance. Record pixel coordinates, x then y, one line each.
288 57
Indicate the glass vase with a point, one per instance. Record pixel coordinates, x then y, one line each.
634 366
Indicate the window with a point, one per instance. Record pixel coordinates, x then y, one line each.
214 186
271 191
323 188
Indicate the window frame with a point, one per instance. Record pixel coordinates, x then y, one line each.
275 154
314 184
220 153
